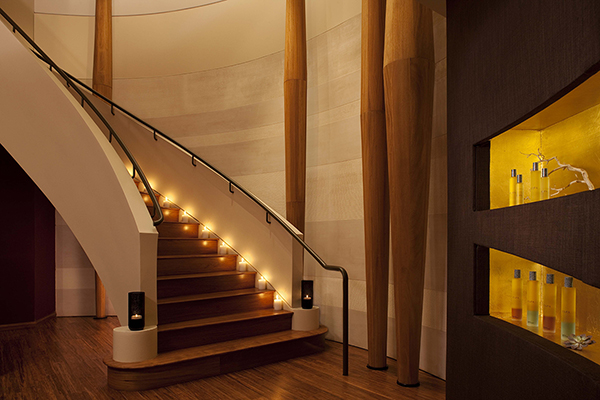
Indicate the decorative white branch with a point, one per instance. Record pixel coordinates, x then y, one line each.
584 175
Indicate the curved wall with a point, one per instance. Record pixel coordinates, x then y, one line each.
228 108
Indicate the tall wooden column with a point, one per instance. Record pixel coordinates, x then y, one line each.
408 82
102 77
375 180
102 83
294 94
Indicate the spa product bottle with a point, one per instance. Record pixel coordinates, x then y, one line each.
535 182
568 304
533 300
520 194
517 291
512 188
549 305
545 185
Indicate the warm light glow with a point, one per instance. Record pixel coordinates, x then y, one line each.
185 213
277 297
206 228
262 278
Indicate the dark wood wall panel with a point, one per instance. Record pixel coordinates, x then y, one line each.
506 61
27 281
544 233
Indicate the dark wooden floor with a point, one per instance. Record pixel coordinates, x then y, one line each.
62 359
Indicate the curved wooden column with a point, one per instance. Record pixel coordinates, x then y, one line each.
408 81
294 94
102 75
375 180
102 83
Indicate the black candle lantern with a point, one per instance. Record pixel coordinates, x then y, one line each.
137 305
307 295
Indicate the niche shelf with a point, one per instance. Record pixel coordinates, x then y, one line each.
568 129
501 268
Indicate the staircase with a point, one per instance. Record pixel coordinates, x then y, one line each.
211 318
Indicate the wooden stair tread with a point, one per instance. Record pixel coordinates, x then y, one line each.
215 295
258 314
216 349
203 275
181 223
183 256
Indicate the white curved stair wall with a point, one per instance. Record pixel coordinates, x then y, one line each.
67 156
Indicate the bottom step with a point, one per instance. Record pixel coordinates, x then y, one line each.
214 359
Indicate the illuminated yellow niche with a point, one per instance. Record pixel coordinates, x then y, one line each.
502 266
569 129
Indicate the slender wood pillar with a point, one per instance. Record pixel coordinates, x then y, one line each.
408 81
294 94
375 180
102 83
102 77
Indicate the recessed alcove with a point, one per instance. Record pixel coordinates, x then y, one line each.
501 273
568 129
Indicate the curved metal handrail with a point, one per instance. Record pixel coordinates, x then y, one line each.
67 77
70 78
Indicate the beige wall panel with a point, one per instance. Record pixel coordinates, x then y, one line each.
338 243
204 91
439 36
214 139
323 15
223 123
335 93
434 309
69 41
436 257
335 53
226 33
21 11
245 158
120 7
333 143
334 192
433 352
75 278
438 180
336 114
268 187
439 123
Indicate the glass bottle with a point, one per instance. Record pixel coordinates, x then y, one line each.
549 305
533 300
517 294
568 308
535 182
544 185
520 193
512 188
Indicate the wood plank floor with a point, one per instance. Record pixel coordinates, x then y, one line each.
62 359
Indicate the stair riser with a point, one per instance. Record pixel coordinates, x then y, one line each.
178 230
208 284
147 199
180 266
178 312
191 337
182 247
169 214
157 377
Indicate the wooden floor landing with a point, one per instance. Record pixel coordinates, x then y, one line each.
62 359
